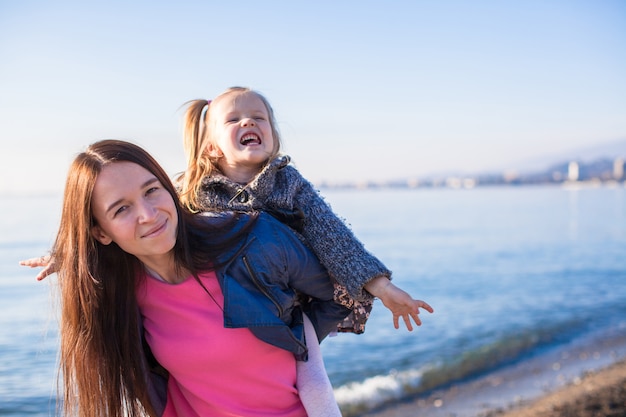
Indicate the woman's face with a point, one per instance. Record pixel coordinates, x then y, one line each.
134 210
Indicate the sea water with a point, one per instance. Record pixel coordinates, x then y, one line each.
510 271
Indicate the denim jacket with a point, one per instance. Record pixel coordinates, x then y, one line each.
262 280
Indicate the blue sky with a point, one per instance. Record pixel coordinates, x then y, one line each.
362 90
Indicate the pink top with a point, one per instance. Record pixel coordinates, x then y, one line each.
214 371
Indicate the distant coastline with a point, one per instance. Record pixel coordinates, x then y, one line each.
572 174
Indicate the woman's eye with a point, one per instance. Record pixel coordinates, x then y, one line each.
151 190
120 210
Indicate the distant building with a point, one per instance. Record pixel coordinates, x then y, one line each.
413 183
618 169
573 171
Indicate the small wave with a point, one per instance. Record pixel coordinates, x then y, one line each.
357 397
360 396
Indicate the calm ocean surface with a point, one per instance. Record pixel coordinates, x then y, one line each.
509 271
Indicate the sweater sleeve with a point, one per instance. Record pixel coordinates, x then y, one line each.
338 249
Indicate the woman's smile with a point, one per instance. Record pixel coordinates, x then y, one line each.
156 231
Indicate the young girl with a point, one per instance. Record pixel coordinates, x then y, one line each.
217 297
232 146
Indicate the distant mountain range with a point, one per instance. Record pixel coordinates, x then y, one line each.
592 163
606 150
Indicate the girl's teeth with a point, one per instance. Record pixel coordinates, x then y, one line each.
249 138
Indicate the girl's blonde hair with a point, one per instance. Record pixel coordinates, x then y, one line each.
197 135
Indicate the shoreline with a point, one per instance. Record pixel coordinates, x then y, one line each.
598 393
545 383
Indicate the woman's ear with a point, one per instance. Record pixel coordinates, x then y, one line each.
100 236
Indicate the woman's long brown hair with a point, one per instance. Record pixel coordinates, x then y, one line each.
101 357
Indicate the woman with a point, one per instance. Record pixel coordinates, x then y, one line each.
217 298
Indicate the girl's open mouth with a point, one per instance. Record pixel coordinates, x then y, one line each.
250 139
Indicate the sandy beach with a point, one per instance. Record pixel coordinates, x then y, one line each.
599 393
579 380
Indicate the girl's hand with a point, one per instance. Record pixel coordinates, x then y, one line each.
399 302
43 261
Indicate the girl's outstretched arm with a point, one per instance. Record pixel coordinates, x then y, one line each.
398 301
45 261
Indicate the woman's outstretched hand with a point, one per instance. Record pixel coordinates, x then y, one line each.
46 262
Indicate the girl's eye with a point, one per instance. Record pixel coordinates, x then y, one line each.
152 190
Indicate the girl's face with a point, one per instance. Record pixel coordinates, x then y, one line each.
241 133
132 209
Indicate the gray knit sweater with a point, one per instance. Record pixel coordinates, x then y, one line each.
280 187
